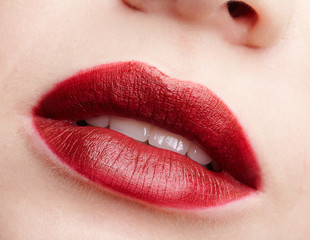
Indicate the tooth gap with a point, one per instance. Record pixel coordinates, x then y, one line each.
81 123
209 166
215 167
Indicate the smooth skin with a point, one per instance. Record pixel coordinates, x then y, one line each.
259 68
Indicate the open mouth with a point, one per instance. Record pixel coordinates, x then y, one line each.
132 129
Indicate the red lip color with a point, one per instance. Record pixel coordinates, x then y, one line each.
136 170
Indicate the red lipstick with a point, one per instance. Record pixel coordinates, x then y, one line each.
136 170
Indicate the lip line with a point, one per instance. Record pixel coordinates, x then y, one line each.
69 112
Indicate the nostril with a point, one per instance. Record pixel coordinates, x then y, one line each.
263 22
236 21
238 9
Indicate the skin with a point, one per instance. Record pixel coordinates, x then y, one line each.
258 69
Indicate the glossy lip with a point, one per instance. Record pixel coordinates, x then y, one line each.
136 170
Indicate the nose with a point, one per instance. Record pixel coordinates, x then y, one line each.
262 21
185 8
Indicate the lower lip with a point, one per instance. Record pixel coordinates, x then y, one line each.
134 169
138 170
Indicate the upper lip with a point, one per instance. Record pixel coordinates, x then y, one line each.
137 90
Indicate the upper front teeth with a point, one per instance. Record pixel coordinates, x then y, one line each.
155 136
132 128
163 139
102 121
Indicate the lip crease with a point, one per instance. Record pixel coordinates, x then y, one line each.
136 170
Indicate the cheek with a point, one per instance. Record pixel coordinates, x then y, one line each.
283 138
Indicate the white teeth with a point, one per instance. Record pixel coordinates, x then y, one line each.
155 136
167 140
198 155
137 130
101 121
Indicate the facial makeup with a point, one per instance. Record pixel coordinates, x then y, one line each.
135 169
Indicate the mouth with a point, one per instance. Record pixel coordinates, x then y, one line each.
133 130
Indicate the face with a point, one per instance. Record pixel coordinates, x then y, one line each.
254 57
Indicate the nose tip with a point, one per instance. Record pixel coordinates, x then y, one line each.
184 8
148 6
197 9
273 18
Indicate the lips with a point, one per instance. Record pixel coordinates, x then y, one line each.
137 170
